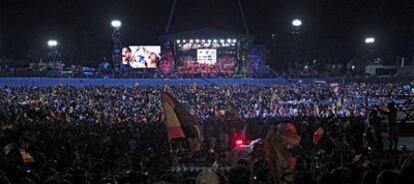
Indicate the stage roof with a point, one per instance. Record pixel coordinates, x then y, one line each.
206 33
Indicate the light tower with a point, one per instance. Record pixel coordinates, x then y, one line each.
370 52
54 55
117 43
296 50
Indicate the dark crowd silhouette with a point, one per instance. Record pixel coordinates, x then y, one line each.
345 133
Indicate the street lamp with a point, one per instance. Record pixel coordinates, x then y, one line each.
52 43
116 24
297 22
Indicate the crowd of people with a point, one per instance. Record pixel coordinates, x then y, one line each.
116 134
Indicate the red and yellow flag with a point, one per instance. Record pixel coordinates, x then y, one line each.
180 123
170 118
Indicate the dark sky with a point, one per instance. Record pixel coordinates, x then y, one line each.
330 27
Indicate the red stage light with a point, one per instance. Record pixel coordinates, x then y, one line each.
239 142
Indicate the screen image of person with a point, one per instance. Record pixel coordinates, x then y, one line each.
126 55
152 60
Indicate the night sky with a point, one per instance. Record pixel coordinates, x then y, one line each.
331 28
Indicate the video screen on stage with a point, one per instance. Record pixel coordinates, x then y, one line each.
207 56
142 56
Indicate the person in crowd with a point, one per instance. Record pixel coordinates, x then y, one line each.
374 131
391 116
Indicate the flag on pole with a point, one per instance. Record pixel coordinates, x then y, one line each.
191 126
170 118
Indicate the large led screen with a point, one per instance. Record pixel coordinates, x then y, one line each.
207 56
142 56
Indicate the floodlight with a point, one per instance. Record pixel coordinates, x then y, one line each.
296 22
116 23
52 43
369 40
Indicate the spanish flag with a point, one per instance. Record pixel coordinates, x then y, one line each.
170 118
27 158
180 123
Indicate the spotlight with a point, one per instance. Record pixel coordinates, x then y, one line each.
116 23
197 40
221 40
234 40
229 40
215 40
191 40
209 41
202 41
178 41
